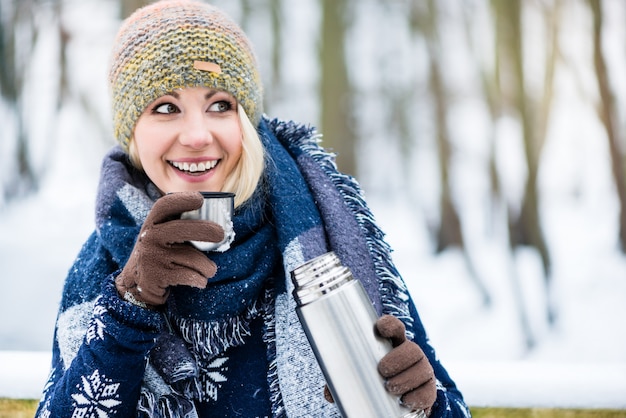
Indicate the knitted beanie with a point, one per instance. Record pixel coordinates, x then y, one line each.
172 44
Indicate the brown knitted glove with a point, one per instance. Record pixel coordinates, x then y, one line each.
161 257
406 368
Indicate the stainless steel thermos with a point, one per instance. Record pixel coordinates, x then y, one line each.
339 319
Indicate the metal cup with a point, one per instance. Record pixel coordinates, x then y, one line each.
218 207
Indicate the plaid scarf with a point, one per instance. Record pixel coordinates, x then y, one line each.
303 208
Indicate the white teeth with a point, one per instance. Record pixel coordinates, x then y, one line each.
193 167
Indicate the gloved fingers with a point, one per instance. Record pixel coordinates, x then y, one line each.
186 277
411 378
188 258
400 358
124 286
172 205
155 287
181 230
327 395
421 398
151 295
388 326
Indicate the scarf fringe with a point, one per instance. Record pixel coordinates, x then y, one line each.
210 338
394 293
168 406
269 337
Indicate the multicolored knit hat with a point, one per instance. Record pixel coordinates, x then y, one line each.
172 44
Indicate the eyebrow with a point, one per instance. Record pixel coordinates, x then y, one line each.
207 96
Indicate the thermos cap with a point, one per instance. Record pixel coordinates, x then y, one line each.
318 277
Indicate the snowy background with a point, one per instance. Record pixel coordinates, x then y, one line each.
581 361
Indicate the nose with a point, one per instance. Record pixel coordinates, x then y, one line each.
196 132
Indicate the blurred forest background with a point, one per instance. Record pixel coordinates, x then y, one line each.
450 104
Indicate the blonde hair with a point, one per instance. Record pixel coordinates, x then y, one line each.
245 177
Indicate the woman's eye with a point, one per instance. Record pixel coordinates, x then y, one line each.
165 108
221 106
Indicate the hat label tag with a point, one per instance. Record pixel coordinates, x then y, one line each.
207 66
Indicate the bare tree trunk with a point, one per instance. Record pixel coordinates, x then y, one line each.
13 65
450 225
526 228
127 7
608 115
506 88
246 13
336 91
277 47
274 91
64 38
492 96
450 231
509 22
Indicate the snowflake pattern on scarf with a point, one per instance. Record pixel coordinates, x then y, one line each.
96 397
96 330
212 377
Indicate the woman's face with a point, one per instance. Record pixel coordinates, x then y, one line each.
189 140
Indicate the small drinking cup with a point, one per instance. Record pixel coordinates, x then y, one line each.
218 207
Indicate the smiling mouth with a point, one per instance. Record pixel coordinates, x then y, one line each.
194 168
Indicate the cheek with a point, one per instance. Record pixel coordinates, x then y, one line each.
234 145
150 140
237 149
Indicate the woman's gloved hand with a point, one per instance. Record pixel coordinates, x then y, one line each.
406 368
161 257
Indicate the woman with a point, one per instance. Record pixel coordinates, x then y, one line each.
151 326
